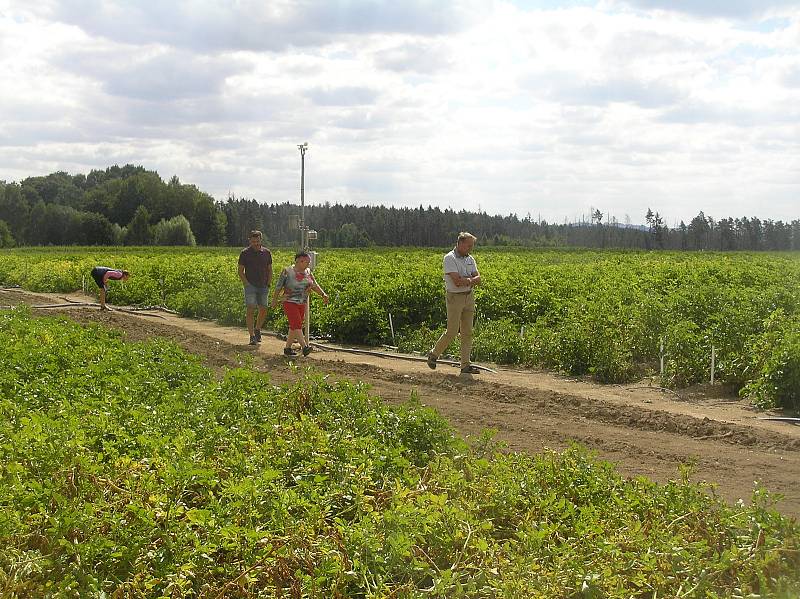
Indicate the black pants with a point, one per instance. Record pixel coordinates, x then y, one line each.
97 275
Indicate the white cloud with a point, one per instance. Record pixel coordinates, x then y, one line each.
342 96
420 56
252 24
158 74
618 105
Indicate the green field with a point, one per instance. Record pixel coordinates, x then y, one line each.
130 470
603 314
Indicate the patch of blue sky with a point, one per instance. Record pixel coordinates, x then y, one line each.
747 53
767 25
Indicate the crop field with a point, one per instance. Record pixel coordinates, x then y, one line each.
128 469
613 315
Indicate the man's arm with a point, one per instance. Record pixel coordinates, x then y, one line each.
269 274
458 280
279 286
242 275
475 279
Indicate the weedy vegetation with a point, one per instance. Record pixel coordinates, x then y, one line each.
130 470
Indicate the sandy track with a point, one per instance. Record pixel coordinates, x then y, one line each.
643 431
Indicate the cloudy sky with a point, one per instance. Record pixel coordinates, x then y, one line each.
540 107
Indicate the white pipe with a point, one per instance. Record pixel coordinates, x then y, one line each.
713 362
308 318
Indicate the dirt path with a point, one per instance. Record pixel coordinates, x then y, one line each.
643 431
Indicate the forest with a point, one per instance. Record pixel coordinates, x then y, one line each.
131 205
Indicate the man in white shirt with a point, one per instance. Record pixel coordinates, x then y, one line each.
460 277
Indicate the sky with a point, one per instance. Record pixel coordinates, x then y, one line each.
533 107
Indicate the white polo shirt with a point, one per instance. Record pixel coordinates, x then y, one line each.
463 265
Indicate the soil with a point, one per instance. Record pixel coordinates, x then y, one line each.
643 430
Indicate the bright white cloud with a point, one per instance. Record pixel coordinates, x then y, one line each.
541 107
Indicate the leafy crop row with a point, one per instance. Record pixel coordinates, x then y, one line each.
128 470
605 314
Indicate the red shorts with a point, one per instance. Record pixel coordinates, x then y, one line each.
296 313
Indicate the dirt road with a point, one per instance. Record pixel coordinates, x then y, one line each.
642 430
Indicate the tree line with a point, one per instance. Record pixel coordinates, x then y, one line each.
130 205
119 205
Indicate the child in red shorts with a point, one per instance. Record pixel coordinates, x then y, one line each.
295 283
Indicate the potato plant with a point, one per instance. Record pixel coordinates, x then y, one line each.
601 314
130 470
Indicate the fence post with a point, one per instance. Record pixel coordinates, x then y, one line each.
661 356
391 328
713 362
308 318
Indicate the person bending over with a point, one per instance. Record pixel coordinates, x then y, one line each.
102 275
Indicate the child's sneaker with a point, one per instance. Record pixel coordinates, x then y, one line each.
257 335
288 351
253 340
306 350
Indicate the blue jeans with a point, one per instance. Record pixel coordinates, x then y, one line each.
255 296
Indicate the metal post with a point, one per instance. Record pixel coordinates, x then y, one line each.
661 357
713 362
303 147
303 243
308 319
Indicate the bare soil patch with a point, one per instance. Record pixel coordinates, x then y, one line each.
644 431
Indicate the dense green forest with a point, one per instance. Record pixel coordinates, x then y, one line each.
130 205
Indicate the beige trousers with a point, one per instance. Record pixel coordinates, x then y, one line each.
460 314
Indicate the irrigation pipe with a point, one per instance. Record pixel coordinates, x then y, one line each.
158 309
781 419
73 304
130 310
324 347
139 313
367 352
